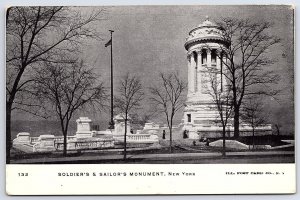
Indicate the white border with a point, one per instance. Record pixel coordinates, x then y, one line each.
136 179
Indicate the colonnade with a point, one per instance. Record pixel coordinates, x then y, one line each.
199 61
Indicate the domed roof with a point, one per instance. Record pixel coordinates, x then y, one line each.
208 23
207 31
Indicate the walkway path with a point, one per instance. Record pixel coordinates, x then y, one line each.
149 157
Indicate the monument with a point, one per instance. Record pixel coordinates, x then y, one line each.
83 127
206 48
119 121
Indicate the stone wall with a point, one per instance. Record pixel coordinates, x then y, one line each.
229 134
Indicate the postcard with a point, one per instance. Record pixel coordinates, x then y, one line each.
166 99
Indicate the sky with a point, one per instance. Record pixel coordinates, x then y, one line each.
150 39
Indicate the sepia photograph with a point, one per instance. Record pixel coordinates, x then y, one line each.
157 85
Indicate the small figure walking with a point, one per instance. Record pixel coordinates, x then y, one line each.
207 142
194 143
164 134
185 135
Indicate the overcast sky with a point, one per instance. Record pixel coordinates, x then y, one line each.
149 39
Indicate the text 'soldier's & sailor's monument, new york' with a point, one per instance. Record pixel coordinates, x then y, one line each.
206 49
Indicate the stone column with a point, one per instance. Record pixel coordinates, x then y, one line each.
224 67
193 66
208 64
189 73
208 52
218 62
199 68
195 73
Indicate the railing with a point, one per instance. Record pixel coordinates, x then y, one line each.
73 145
92 144
34 140
138 137
61 138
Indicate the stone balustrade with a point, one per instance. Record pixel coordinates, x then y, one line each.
52 143
137 138
22 138
61 138
34 140
85 138
85 144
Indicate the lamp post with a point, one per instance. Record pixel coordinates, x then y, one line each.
111 124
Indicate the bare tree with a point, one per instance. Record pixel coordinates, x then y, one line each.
277 126
247 58
64 89
147 116
168 97
222 97
35 35
144 116
282 119
252 114
129 99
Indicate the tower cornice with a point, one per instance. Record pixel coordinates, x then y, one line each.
204 40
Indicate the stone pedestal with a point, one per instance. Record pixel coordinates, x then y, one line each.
44 143
120 125
84 128
22 138
151 125
193 135
46 140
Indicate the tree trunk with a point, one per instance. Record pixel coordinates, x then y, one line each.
170 128
253 138
224 141
8 132
125 142
277 129
65 143
64 132
236 119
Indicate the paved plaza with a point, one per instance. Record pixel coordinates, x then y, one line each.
211 157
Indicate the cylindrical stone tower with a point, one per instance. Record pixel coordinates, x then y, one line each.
206 49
